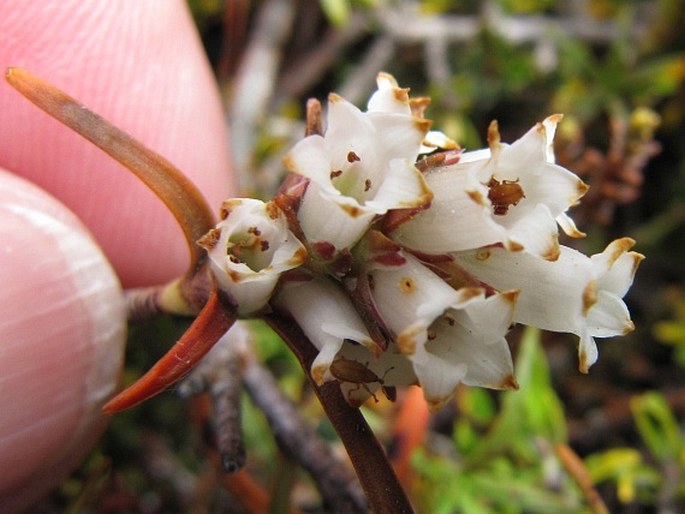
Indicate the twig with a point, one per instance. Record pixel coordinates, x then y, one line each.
362 78
576 468
409 26
310 68
383 490
220 374
299 440
143 302
256 78
163 464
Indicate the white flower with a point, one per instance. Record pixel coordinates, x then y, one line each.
577 294
249 249
513 195
360 168
391 98
467 345
449 335
326 316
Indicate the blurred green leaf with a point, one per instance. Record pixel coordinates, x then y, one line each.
626 468
533 409
657 426
337 11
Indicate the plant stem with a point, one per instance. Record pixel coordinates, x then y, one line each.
382 488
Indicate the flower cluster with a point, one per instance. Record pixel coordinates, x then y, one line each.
405 270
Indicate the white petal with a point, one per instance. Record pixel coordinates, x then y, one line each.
554 186
587 352
389 97
616 266
363 165
403 187
409 297
439 378
467 345
326 316
462 216
309 158
551 292
346 121
334 218
435 139
568 225
401 135
609 317
536 234
568 295
550 126
456 220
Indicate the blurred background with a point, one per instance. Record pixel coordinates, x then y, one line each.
616 70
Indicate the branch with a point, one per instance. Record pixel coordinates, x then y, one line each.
382 488
338 486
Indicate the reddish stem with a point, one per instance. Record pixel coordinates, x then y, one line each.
382 488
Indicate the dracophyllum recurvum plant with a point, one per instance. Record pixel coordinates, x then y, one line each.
378 270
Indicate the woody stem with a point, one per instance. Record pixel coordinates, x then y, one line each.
382 488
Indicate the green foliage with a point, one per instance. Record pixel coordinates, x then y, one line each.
657 477
338 12
589 84
672 331
511 468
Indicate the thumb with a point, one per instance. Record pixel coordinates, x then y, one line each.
62 335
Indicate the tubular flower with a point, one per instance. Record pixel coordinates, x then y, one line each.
248 251
326 316
577 294
513 195
360 168
450 336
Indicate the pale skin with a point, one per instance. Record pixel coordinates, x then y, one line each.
143 68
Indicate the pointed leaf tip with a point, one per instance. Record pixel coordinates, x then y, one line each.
213 322
177 192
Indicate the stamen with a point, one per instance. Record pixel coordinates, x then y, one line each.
353 157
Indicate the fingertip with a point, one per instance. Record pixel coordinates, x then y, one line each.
62 337
156 85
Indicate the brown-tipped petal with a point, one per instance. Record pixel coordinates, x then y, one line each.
179 194
213 322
